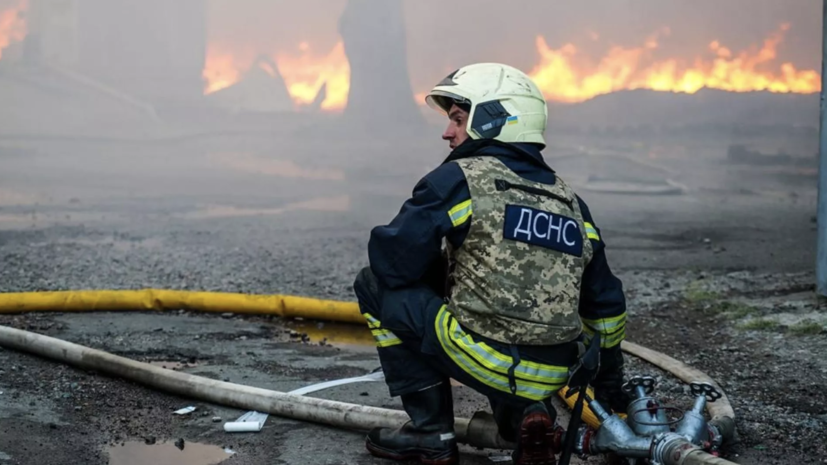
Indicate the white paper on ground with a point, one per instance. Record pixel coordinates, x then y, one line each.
184 410
250 422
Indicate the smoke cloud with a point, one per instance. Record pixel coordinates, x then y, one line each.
442 36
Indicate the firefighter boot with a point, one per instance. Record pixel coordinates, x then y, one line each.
428 438
536 437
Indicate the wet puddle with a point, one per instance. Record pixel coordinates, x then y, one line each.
324 204
15 218
122 245
10 197
354 338
167 453
31 219
249 163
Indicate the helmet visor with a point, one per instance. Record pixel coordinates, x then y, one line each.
442 101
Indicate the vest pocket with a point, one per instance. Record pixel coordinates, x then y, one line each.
502 185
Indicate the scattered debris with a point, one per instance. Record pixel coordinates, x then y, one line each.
250 422
184 410
180 443
499 458
216 419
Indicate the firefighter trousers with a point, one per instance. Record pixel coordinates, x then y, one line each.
420 345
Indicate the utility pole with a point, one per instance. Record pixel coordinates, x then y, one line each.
821 255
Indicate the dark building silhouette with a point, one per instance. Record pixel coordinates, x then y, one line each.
373 32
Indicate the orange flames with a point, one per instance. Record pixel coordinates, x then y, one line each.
12 25
564 76
221 70
304 73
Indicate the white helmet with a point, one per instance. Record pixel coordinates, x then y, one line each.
505 104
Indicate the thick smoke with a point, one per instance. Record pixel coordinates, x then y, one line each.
444 35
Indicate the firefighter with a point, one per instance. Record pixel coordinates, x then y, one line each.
493 273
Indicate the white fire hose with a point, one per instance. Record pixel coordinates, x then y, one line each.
479 431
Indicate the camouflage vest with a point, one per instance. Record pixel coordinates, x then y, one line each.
517 275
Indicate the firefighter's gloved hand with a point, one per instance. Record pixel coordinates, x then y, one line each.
609 380
607 391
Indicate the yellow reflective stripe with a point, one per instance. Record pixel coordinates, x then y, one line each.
605 325
450 343
373 323
613 340
500 363
591 232
388 343
606 341
385 338
460 213
489 379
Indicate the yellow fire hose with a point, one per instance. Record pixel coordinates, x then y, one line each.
283 306
160 299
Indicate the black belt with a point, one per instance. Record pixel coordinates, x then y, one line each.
512 380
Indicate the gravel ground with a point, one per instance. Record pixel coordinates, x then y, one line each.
721 282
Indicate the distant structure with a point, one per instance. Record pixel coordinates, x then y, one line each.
152 49
374 36
321 95
260 90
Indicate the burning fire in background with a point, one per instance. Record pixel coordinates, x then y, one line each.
221 68
304 73
12 25
564 75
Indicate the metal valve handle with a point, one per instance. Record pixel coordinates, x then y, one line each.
646 382
705 389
